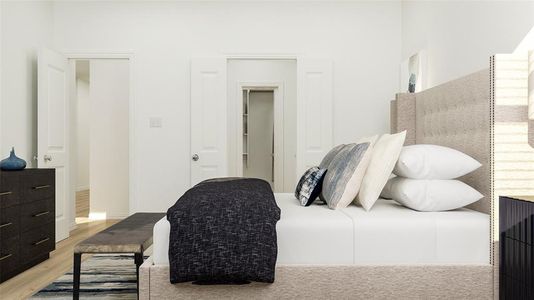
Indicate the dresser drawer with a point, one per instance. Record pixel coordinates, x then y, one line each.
9 189
36 213
37 242
9 222
9 256
37 185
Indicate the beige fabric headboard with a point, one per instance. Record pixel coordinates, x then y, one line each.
455 114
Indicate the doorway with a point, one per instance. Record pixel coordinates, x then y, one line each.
100 141
82 117
261 120
216 112
259 135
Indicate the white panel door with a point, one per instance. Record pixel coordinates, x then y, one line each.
53 130
314 112
208 119
109 87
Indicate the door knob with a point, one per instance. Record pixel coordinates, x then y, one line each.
47 158
195 157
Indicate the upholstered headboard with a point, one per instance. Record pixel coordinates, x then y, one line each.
484 115
455 114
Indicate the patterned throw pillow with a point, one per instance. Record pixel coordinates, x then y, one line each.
309 186
345 175
325 163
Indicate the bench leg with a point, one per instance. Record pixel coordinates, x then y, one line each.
76 275
138 257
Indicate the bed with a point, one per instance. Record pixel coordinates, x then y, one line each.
361 237
391 251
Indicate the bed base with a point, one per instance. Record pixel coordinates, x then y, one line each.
335 282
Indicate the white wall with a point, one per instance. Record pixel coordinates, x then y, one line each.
362 39
83 111
109 138
460 36
26 26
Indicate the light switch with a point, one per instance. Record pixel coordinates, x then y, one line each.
155 122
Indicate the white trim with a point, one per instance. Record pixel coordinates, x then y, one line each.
262 56
130 55
278 91
82 188
73 147
94 216
117 217
88 54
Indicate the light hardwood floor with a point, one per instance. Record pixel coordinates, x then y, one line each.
82 204
26 284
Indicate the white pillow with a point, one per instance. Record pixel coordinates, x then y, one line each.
433 162
430 194
384 156
368 139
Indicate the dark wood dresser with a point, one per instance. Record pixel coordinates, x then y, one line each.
27 219
516 272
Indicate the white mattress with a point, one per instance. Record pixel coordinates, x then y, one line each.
388 234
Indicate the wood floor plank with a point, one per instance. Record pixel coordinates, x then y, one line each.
29 282
82 203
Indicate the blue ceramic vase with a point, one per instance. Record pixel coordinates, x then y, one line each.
12 163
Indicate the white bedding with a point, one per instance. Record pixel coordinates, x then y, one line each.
388 234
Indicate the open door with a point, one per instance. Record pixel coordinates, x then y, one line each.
53 130
208 119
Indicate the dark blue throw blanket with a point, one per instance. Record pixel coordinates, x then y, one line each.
223 231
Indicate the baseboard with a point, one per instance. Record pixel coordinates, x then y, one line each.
82 188
117 216
107 216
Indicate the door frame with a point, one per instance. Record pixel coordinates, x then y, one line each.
278 103
295 56
72 56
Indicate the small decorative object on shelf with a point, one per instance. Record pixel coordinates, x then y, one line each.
12 163
411 83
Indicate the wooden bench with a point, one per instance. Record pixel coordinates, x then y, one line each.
131 235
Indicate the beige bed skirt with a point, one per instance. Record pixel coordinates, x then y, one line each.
335 282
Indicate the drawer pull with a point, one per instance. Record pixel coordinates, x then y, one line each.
41 214
41 241
40 187
6 224
5 256
5 193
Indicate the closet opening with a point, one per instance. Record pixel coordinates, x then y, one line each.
259 135
261 120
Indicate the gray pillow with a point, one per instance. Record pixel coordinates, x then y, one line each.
345 174
329 156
